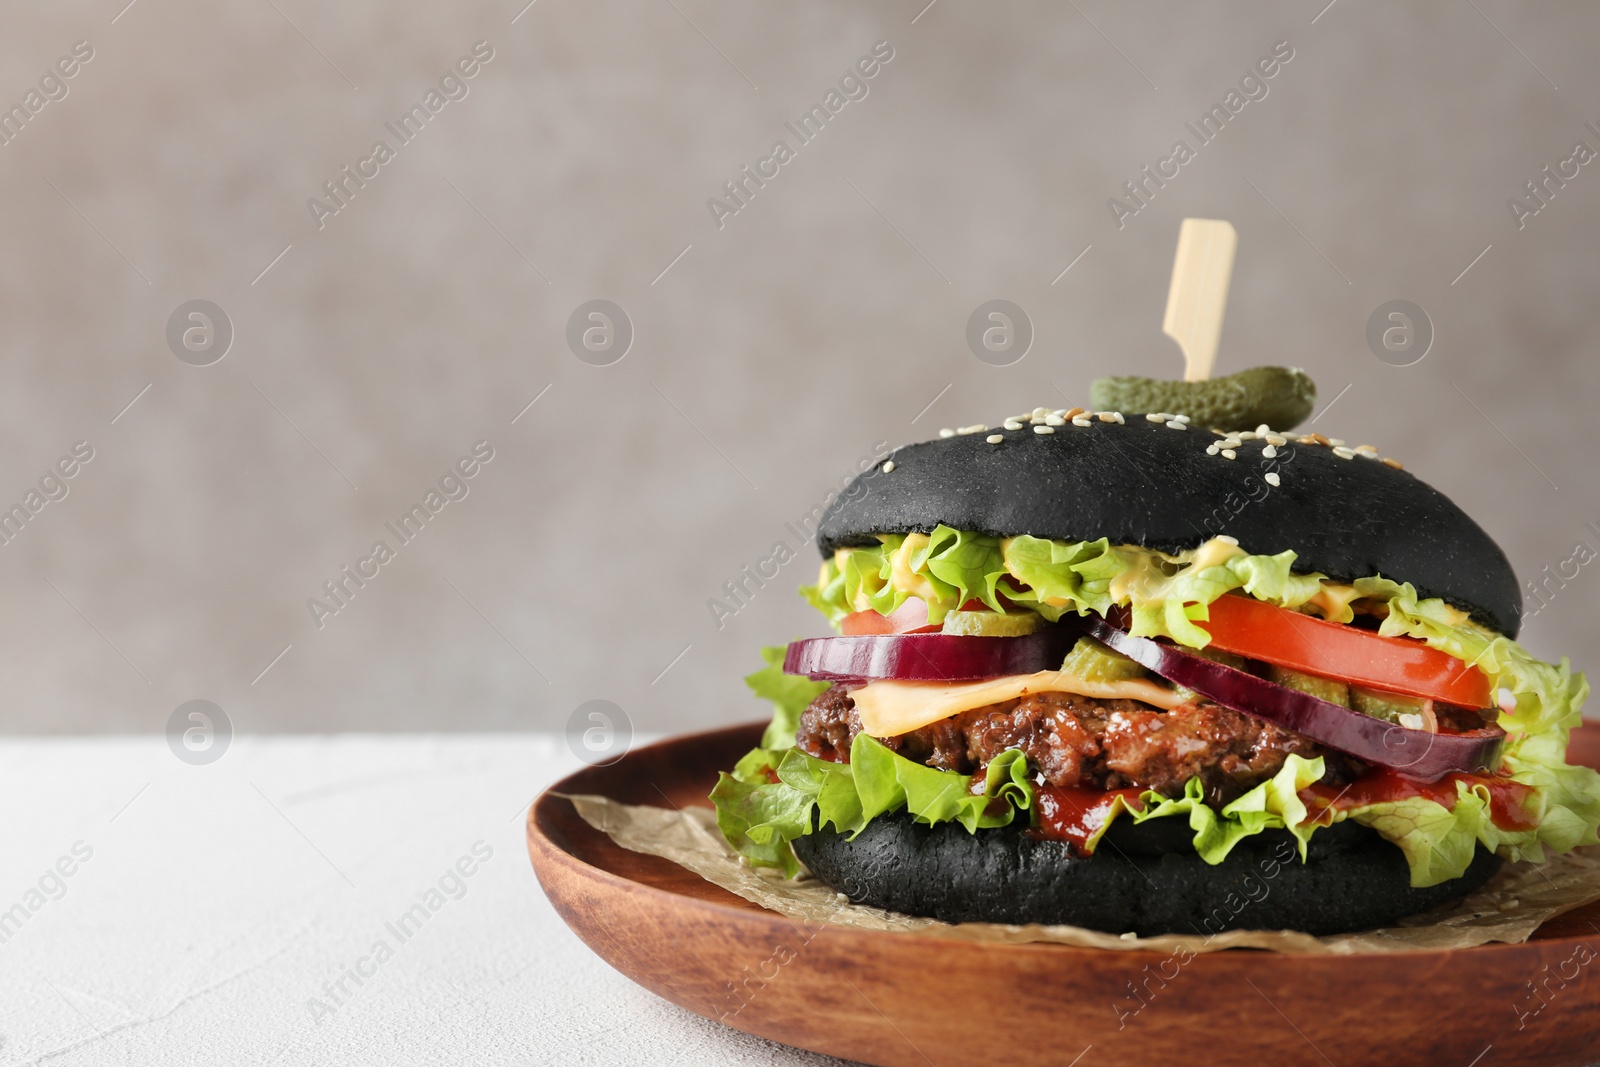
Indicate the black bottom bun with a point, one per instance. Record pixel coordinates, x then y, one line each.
1145 878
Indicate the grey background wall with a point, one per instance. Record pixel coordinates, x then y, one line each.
769 352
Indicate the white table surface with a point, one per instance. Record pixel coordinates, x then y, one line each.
217 904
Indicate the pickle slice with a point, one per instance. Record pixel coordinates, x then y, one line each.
1094 662
1321 688
991 624
1281 397
1215 655
1386 706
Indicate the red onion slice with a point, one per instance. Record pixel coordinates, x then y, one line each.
1413 753
928 657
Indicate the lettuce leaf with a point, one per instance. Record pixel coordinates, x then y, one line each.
788 693
760 816
886 781
1273 804
1438 842
1056 577
760 820
1546 705
948 567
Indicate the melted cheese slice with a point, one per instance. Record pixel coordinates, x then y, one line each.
889 709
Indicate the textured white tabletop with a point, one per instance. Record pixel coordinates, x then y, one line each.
211 912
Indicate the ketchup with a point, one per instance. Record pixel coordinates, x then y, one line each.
1073 815
1508 799
979 783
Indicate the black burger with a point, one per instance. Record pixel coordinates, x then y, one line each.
1129 673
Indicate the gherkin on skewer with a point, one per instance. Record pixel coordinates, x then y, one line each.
1281 397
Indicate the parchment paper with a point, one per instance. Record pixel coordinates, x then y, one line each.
1508 908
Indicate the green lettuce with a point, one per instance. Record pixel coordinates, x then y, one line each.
1168 594
788 693
1274 804
776 793
946 569
773 797
1056 576
1545 706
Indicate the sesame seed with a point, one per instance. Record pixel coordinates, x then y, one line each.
1155 417
1044 429
1106 416
1335 442
1213 448
1396 464
1072 413
1054 420
1272 479
1182 418
974 428
1228 453
995 438
1269 452
1229 538
1367 450
1039 414
1345 453
1012 424
1245 435
1118 416
888 467
1263 430
1174 424
947 432
1080 421
1277 439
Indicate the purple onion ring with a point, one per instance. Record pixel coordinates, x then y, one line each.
928 657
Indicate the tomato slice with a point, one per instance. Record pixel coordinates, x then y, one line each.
909 618
1340 651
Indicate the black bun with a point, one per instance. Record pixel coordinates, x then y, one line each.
1141 483
1146 878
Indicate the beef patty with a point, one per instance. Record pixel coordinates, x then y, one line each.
1074 740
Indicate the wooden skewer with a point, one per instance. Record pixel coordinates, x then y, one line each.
1198 295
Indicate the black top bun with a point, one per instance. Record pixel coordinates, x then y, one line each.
1143 483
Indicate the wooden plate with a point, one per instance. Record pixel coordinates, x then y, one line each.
905 999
